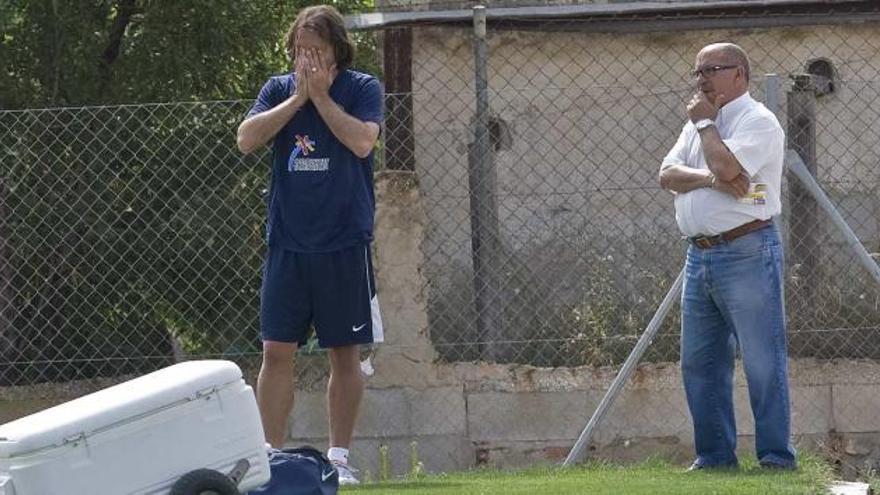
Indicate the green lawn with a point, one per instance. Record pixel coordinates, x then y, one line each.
653 477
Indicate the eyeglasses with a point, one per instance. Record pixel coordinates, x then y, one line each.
710 70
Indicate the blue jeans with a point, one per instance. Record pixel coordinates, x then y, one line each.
733 292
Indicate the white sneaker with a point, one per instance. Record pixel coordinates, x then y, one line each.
346 473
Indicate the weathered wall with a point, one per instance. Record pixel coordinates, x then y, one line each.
585 120
590 117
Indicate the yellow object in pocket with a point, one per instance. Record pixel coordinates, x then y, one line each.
757 194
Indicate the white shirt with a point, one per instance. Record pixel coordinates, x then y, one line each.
754 136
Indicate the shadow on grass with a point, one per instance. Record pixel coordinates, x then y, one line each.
438 485
752 472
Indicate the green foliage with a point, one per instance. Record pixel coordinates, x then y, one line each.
133 231
416 468
384 462
129 228
69 52
561 304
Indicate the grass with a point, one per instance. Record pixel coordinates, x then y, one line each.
651 477
874 480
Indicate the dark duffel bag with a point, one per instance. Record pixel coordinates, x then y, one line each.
301 471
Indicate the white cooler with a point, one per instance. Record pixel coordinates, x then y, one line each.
139 437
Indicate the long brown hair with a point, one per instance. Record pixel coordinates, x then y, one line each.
326 22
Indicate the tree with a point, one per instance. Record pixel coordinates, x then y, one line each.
127 225
71 53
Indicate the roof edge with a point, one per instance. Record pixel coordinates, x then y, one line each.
388 19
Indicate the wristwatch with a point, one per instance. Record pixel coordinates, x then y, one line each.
703 123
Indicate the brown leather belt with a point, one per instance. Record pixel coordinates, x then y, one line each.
707 241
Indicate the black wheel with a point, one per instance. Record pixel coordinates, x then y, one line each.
204 482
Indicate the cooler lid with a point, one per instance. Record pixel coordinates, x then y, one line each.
120 403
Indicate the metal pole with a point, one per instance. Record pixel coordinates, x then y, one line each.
397 62
8 348
771 93
803 224
799 169
481 59
485 230
628 367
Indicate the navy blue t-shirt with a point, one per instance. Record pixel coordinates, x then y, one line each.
321 197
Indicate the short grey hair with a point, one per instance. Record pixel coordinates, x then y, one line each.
733 54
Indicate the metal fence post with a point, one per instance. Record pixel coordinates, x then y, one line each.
397 62
803 223
632 361
485 241
799 170
7 332
771 93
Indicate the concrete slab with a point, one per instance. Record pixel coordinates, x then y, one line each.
528 416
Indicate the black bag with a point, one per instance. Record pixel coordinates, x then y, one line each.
301 471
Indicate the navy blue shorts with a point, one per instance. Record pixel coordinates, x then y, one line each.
335 292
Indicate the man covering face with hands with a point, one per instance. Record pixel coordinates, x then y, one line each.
323 120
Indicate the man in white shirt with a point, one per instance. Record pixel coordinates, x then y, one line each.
725 171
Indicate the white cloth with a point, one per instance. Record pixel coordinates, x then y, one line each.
754 136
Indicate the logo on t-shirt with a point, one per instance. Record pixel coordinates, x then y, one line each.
303 147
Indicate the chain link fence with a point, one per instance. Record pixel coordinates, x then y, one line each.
554 248
131 236
588 240
130 233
